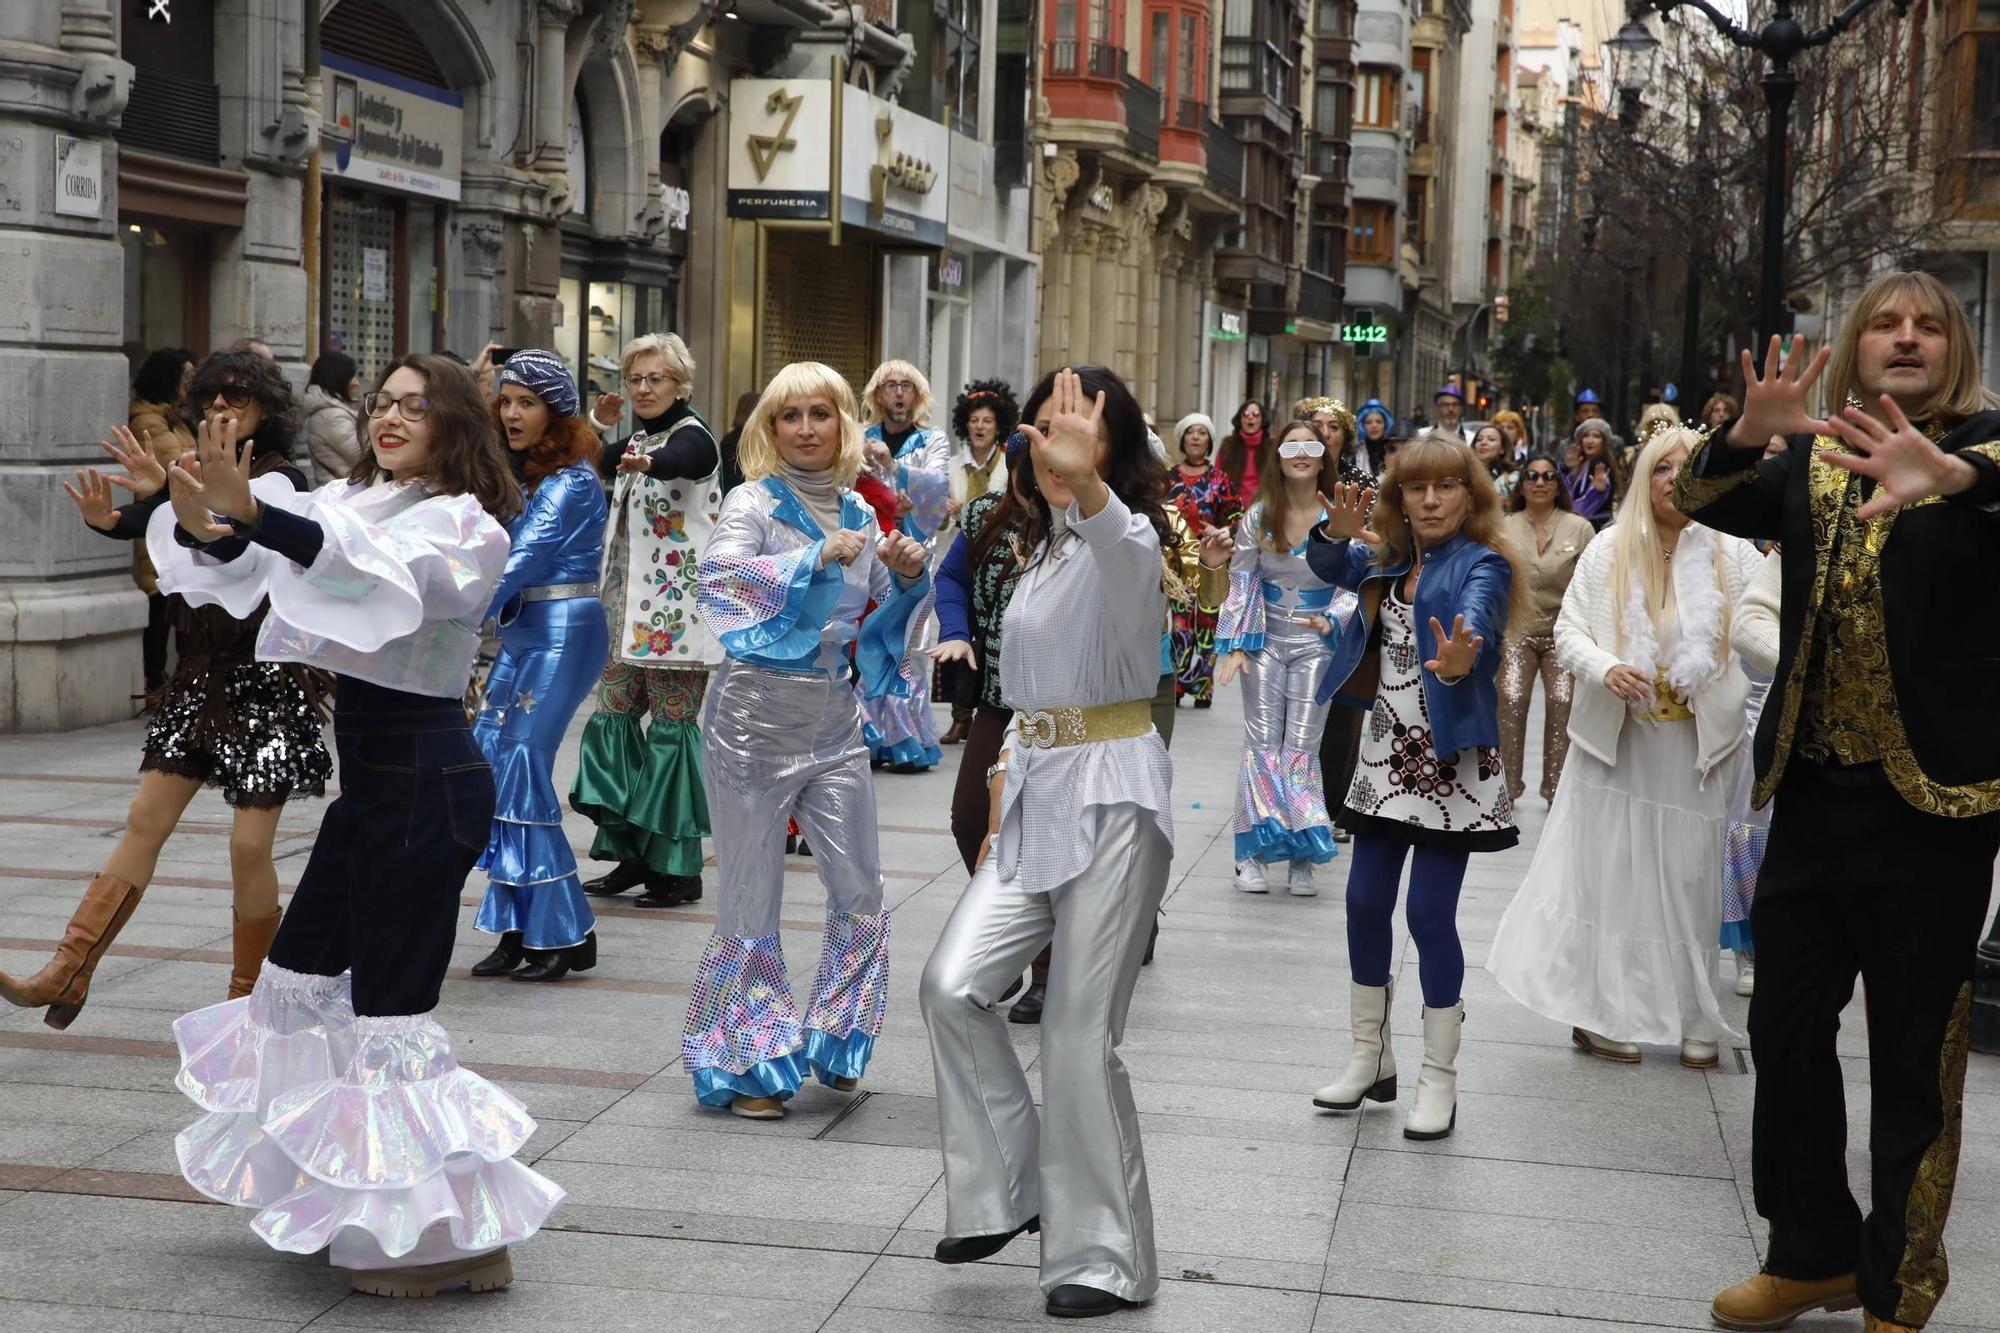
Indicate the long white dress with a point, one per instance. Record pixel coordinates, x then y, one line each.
1615 928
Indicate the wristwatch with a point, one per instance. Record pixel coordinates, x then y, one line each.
999 766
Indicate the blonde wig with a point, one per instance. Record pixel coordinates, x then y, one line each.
1901 292
1433 455
896 370
670 349
1635 537
757 451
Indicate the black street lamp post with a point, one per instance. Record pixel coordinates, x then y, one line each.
1781 40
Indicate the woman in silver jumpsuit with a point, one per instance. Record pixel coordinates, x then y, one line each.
1078 853
795 559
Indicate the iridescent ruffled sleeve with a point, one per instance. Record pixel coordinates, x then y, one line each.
373 583
771 603
1239 626
236 585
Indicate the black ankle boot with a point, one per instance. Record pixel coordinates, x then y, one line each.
1076 1301
625 875
506 956
669 891
971 1249
555 964
1028 1009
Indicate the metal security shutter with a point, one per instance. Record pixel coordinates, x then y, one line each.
359 320
819 305
375 34
172 116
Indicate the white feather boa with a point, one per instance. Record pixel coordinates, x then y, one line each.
1702 644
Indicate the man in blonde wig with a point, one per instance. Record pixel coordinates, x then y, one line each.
903 450
1880 744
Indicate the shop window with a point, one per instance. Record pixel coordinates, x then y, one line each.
359 312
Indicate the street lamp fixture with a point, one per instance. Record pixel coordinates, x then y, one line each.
1634 51
1781 40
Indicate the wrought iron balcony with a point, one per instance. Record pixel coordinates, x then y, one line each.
1225 161
1093 59
1319 297
1142 118
1190 114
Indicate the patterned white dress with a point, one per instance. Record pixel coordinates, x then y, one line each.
1459 801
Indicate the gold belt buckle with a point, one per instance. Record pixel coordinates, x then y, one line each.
1036 729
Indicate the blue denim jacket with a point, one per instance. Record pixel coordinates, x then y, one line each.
1461 578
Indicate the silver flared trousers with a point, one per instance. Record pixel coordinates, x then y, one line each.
1078 1164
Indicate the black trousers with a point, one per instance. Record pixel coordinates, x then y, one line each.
970 799
380 894
1856 881
1340 751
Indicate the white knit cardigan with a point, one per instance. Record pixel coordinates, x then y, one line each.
1703 665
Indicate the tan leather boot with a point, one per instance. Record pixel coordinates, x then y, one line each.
1768 1301
251 941
65 982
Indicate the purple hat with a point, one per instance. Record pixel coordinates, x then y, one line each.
1449 391
543 374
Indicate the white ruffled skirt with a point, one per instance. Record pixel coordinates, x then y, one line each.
359 1134
1615 927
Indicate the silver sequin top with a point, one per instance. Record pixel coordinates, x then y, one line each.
1082 629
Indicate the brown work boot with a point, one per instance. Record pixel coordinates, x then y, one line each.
1769 1301
252 940
480 1272
65 982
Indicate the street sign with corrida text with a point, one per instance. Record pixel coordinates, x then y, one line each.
1364 333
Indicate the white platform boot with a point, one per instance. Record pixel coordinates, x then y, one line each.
1436 1111
1371 1066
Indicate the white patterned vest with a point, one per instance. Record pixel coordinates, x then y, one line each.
667 525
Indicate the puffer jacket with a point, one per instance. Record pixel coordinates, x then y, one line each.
332 436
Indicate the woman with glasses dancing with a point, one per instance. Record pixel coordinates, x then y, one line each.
1435 581
224 719
1548 535
552 647
1615 929
1081 836
795 560
334 1104
1270 630
643 787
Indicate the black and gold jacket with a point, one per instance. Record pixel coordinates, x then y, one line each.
1935 705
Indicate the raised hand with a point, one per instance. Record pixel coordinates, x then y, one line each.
1229 664
191 511
1217 546
1347 511
1069 451
955 650
1775 402
875 455
608 409
1906 466
843 547
92 494
224 479
1628 683
634 460
1600 476
144 473
1457 652
903 555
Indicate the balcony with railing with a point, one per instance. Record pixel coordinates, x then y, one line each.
1258 80
1319 297
1083 79
1184 133
1142 118
1328 161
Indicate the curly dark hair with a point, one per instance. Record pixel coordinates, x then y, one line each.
159 377
997 395
259 376
1133 471
466 456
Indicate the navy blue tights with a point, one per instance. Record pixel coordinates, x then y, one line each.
1435 877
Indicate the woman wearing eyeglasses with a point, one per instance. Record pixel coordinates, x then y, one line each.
1548 534
641 786
1614 931
1435 581
224 720
552 648
1269 629
335 1105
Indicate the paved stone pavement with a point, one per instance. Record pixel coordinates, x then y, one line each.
1574 1195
